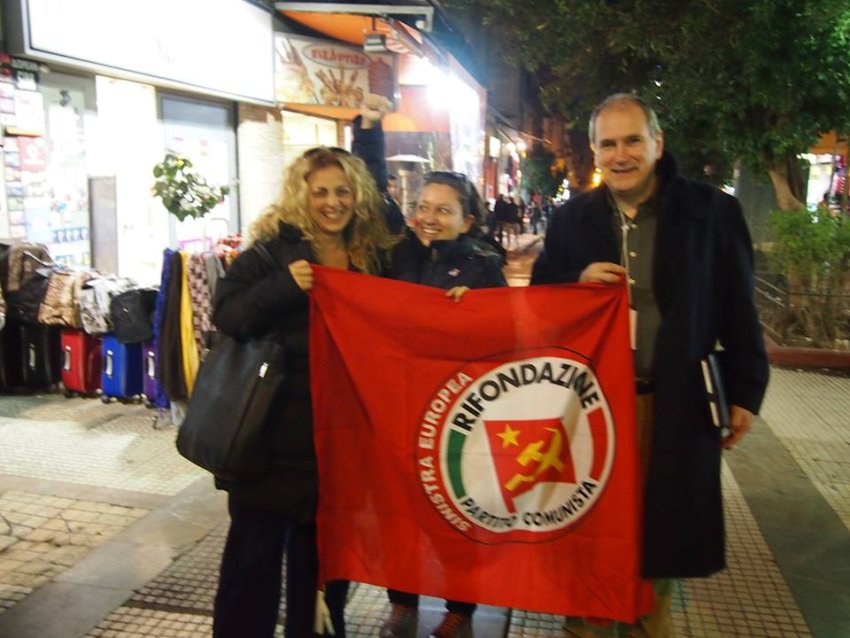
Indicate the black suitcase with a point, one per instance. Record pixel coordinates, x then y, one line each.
11 371
41 356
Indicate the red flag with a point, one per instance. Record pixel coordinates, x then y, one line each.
482 451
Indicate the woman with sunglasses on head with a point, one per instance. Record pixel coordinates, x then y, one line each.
329 212
445 248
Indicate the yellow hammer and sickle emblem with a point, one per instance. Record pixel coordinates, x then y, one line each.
532 453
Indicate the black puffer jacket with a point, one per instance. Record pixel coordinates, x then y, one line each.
255 300
446 264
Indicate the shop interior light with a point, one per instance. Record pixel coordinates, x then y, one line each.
597 178
439 86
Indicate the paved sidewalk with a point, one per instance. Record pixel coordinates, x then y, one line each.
106 532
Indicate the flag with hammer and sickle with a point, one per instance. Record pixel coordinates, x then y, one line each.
529 452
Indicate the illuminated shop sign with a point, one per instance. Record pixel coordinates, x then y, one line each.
309 71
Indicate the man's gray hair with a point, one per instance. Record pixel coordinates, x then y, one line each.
624 98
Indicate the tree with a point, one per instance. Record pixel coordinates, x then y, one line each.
755 81
539 173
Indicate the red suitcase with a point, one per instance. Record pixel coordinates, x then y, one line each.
81 354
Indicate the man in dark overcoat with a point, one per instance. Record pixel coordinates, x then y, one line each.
685 253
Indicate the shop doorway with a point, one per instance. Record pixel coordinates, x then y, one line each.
204 132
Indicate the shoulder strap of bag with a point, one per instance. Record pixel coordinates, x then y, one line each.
265 255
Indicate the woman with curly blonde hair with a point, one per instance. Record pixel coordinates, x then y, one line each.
366 241
329 212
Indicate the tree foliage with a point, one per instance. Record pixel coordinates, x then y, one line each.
538 174
812 250
755 81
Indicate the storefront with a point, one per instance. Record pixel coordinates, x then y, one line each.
111 102
437 122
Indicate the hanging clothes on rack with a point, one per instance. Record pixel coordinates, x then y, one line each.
185 318
158 398
215 271
169 351
191 356
200 296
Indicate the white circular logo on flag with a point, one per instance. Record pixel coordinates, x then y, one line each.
518 450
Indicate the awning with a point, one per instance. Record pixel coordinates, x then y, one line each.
418 14
424 21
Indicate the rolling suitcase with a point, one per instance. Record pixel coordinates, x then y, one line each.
11 370
81 354
41 356
122 370
150 383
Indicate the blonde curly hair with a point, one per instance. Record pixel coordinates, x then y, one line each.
367 238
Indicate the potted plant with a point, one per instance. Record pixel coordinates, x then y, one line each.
184 192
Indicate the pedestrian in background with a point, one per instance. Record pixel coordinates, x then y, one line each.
683 250
519 215
329 212
392 186
534 217
502 216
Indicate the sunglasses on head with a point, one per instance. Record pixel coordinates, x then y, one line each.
456 180
336 150
451 175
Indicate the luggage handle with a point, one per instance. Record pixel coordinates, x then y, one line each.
46 264
151 365
31 360
107 365
66 365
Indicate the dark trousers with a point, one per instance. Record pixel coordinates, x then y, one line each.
412 600
248 598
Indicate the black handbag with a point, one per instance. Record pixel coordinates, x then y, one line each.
131 313
238 382
23 303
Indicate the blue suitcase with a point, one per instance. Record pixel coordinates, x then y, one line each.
154 393
122 370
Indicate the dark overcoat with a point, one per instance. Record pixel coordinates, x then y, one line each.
703 284
252 300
